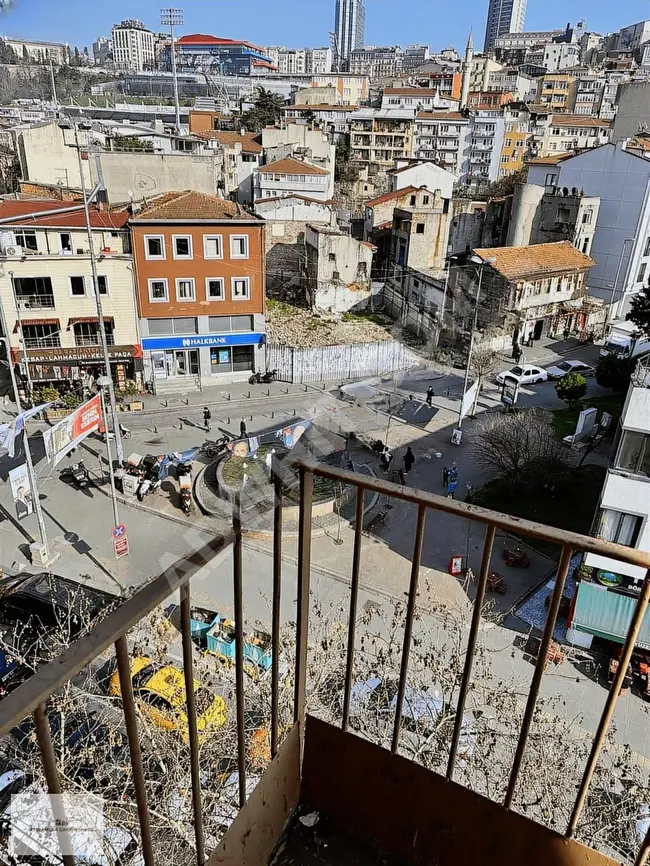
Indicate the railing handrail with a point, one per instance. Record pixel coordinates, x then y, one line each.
51 676
482 515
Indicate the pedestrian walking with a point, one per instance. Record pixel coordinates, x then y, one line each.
445 476
207 418
566 333
429 395
243 433
517 353
409 460
387 458
383 460
531 340
453 472
451 489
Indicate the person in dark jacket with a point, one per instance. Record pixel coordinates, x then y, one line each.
207 418
243 433
409 460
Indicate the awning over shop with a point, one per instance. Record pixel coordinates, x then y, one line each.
88 319
607 614
35 322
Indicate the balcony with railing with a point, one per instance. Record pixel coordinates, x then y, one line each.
94 340
371 795
52 342
36 302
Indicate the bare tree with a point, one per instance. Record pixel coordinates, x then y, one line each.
484 361
519 447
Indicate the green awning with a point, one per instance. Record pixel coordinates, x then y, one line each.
607 614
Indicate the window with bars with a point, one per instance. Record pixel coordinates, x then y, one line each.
42 336
88 333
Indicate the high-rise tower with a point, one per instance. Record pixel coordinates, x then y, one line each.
504 16
349 29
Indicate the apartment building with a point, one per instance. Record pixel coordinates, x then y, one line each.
560 55
523 87
556 91
420 98
608 588
442 136
587 94
516 138
48 297
504 16
332 118
489 100
380 136
338 268
292 176
241 154
300 61
481 68
200 276
132 46
561 133
484 146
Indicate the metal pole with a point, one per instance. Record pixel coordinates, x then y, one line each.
54 97
30 384
174 73
111 475
614 287
28 454
471 346
100 315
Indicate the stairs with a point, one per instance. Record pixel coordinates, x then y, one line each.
178 386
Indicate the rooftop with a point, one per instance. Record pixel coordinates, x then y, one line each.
442 115
410 91
389 196
579 120
517 262
321 106
291 196
204 39
291 166
552 158
14 212
230 139
189 205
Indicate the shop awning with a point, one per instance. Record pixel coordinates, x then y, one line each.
88 319
35 322
607 614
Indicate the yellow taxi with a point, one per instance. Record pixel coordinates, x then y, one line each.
159 691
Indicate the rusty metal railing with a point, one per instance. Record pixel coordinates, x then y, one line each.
31 696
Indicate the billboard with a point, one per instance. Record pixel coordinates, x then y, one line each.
21 491
68 433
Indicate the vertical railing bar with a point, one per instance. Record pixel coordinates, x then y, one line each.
195 773
560 580
610 705
126 688
471 646
302 614
239 646
44 737
408 625
275 610
354 598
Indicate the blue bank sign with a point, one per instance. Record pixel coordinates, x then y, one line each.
207 341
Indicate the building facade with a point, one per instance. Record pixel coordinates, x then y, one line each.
504 16
46 263
556 91
200 275
484 146
292 176
337 270
442 136
102 51
132 46
349 30
198 51
380 136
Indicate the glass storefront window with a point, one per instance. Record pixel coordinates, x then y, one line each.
220 360
237 359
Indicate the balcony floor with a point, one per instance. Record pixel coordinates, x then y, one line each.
327 844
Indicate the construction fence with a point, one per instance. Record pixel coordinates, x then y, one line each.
339 362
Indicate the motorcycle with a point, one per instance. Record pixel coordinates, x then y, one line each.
212 447
269 376
516 556
125 433
147 486
255 379
77 474
185 493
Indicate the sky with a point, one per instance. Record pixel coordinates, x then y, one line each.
287 22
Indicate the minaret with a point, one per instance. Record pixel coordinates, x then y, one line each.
467 71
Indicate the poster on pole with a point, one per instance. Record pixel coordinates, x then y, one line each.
21 491
468 400
68 433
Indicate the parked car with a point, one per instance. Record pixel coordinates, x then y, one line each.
525 374
93 839
557 371
160 693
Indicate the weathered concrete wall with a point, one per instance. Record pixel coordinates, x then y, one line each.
46 158
141 175
340 362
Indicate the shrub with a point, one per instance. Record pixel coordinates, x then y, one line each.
571 388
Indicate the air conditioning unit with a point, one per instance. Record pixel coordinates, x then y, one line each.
8 245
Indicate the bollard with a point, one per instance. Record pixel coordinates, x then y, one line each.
228 420
155 429
294 413
306 388
249 395
251 418
272 414
268 393
180 426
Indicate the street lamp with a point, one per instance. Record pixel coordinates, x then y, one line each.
67 124
173 18
477 260
106 382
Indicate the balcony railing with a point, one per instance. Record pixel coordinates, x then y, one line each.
43 342
517 834
36 302
94 340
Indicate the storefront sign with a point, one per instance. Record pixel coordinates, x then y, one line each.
201 342
76 354
67 434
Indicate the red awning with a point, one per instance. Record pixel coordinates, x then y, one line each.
35 322
88 319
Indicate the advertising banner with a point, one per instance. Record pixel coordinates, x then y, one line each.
21 491
10 432
68 433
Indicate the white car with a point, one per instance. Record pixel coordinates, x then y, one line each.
525 374
557 371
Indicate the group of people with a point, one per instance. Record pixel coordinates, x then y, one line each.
386 459
207 423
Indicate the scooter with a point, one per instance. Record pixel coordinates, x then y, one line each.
77 473
185 493
255 379
214 447
147 486
269 376
125 433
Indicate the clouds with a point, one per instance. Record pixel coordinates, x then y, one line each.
6 5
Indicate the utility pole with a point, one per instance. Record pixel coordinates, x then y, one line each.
46 557
105 382
173 18
30 384
54 96
98 301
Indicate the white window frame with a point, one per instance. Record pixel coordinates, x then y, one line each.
77 277
234 255
235 297
219 238
175 254
153 300
146 248
191 280
61 250
208 297
105 278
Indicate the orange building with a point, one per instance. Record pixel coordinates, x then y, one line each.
200 276
488 99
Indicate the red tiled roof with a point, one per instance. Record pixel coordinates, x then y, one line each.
388 196
518 262
441 115
553 158
230 139
190 205
204 39
291 166
19 213
579 120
